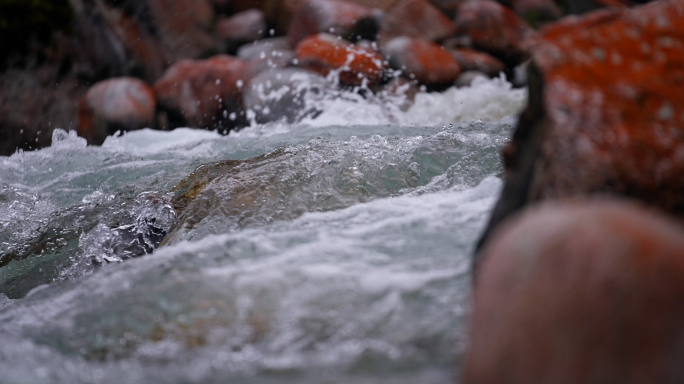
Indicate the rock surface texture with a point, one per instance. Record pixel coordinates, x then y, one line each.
582 292
423 61
355 64
329 16
604 114
415 18
118 104
203 93
494 29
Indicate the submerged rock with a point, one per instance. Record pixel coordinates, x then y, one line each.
284 95
203 93
604 114
423 61
417 19
354 64
118 104
581 292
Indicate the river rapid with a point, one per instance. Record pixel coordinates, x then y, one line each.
358 273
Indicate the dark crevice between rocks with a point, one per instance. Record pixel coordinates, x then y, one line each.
520 158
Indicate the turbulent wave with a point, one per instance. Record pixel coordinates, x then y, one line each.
360 274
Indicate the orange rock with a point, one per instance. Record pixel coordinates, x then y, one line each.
423 61
203 93
324 53
583 292
494 29
471 60
118 104
328 16
415 18
605 113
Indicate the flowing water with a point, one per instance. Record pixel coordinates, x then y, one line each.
349 262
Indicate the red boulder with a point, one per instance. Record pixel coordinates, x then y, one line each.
417 19
118 104
328 16
423 61
605 113
494 29
583 292
324 53
203 93
471 60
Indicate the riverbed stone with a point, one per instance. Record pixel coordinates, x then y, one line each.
241 28
580 292
330 16
203 93
355 64
423 61
603 115
472 60
417 19
118 104
284 95
494 29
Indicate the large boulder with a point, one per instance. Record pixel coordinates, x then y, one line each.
494 29
582 292
603 114
354 64
422 61
118 104
330 16
203 93
417 19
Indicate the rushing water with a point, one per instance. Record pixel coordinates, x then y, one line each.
357 272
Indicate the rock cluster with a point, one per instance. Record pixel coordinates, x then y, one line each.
578 277
177 47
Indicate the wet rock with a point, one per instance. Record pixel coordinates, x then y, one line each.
242 28
203 93
401 91
417 19
494 29
465 79
423 61
471 60
354 64
603 116
284 95
118 104
263 48
582 292
537 12
330 16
